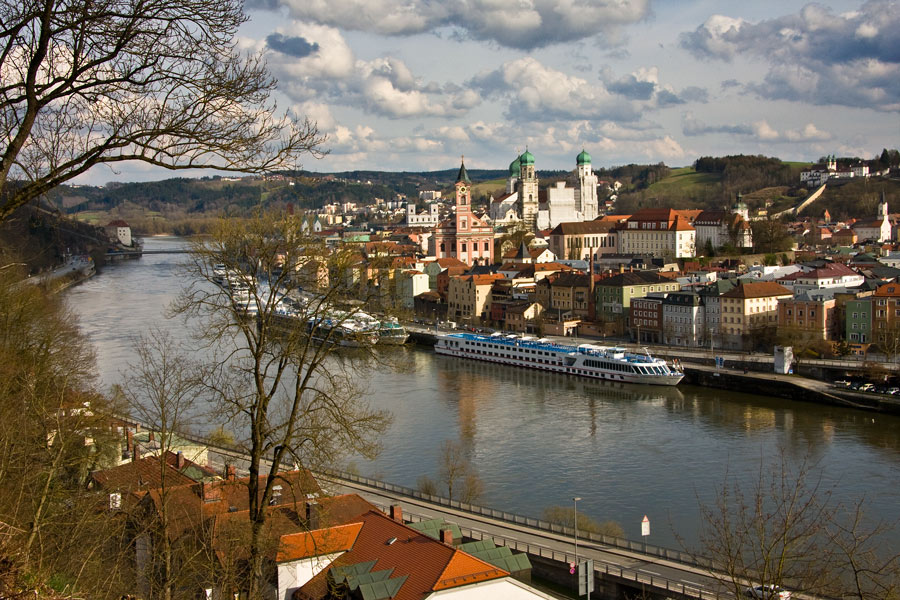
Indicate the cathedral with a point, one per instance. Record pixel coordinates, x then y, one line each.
463 235
571 201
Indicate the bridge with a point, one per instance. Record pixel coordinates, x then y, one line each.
621 566
138 253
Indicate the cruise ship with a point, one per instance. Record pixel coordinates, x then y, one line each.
586 360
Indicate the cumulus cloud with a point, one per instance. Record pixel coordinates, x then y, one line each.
297 47
692 126
761 130
536 91
643 86
815 56
764 132
809 133
314 62
523 24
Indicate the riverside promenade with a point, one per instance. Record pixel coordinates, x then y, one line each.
749 371
621 566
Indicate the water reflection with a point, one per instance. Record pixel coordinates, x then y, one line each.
539 438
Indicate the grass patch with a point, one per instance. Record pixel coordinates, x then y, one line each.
493 187
685 181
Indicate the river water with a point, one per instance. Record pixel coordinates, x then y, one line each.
540 439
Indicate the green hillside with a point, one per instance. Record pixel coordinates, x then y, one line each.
685 181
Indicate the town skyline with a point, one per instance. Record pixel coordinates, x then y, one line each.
414 87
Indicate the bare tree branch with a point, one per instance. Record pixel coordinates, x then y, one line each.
157 81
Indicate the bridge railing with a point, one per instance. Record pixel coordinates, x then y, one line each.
600 567
508 517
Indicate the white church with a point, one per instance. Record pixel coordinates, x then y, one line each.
571 201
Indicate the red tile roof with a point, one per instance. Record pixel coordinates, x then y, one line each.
307 544
144 474
427 564
758 289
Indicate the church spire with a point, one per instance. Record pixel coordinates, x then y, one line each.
463 176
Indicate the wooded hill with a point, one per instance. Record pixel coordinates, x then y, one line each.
176 205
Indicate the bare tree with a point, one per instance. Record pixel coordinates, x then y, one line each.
785 531
53 432
163 390
458 474
565 516
284 377
158 81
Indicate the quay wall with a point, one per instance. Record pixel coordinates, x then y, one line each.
758 376
780 387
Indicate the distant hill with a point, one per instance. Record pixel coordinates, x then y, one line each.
179 204
41 239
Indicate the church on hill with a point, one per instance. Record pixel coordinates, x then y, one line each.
463 235
571 201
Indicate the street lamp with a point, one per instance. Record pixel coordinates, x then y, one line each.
575 529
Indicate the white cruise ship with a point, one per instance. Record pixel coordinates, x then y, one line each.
587 360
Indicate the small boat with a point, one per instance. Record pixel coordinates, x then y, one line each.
390 331
333 327
586 360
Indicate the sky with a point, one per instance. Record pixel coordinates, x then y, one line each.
416 84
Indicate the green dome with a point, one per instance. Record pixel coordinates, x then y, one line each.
514 168
583 158
527 158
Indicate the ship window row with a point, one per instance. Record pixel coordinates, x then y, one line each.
502 347
611 366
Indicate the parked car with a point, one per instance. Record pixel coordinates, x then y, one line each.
768 592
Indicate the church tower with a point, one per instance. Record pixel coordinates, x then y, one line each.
463 200
513 179
586 201
528 190
883 207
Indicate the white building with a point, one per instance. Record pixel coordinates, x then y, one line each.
573 200
119 231
717 228
877 229
683 319
427 218
658 231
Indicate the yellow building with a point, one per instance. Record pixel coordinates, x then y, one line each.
468 297
748 308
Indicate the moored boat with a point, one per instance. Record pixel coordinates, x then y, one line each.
390 331
586 360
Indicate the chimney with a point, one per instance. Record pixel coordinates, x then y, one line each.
230 472
210 491
152 437
136 452
312 514
621 267
397 513
179 460
447 536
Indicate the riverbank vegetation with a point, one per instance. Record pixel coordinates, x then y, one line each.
52 534
786 531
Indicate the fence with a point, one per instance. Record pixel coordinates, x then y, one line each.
512 518
600 568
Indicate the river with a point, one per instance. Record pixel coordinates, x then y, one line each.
540 439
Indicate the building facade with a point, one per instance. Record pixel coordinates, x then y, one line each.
464 236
